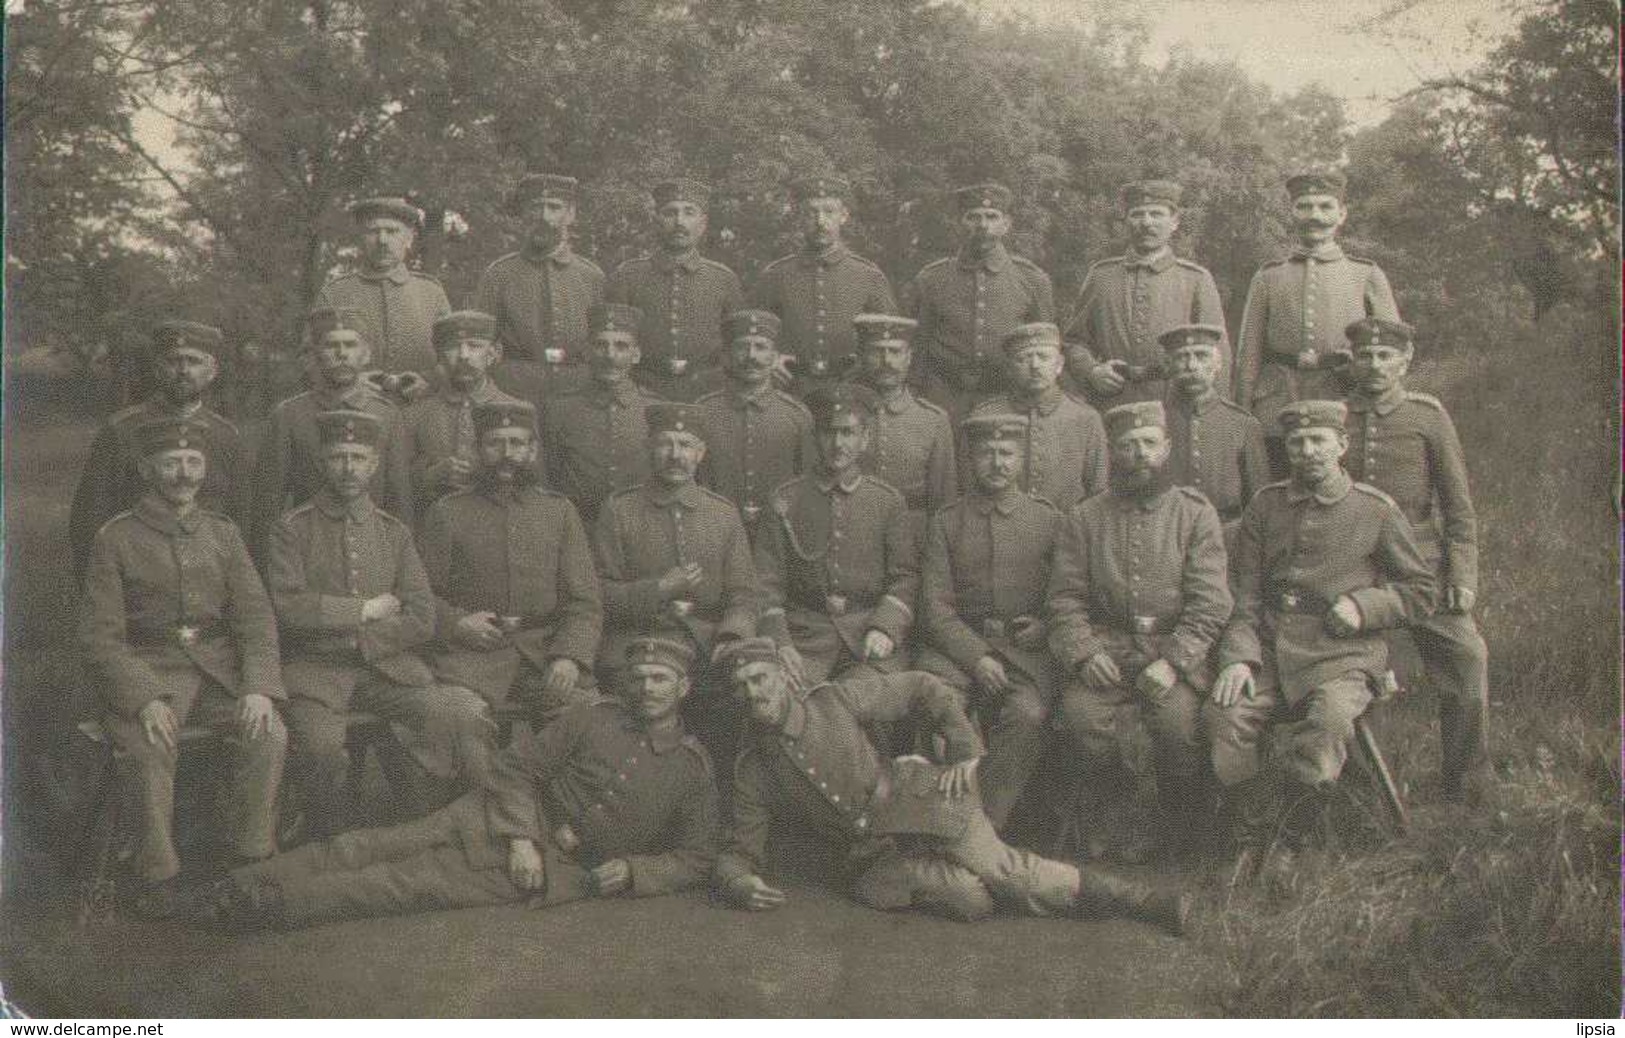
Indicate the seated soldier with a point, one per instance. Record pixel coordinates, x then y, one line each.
915 832
612 800
518 606
353 602
177 630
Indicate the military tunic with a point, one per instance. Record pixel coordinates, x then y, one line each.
966 306
1218 448
1125 303
684 301
397 314
911 448
111 480
438 427
816 295
1067 455
174 610
755 441
595 441
838 561
541 306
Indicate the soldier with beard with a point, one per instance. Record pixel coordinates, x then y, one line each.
185 361
911 445
518 608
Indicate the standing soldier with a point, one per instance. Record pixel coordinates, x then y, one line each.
911 446
1065 460
396 307
820 289
1405 444
1127 301
595 439
1324 566
838 567
288 470
354 603
1218 447
1138 597
185 362
683 297
177 630
439 429
518 606
967 304
988 557
1291 344
541 295
760 436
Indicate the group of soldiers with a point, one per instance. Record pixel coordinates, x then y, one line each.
646 574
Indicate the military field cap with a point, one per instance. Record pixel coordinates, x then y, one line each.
614 317
1191 335
1150 192
682 189
464 326
660 652
669 417
984 196
504 414
1316 182
1038 333
1312 414
324 320
532 186
349 427
883 327
1375 331
760 324
830 402
820 187
187 335
1143 414
982 427
386 205
170 434
735 654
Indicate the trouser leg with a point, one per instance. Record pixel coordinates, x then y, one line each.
1315 747
146 779
1234 731
448 729
1019 877
928 882
247 805
316 742
1457 663
1015 743
1110 804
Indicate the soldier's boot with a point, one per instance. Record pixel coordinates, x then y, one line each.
1249 818
1103 892
1185 815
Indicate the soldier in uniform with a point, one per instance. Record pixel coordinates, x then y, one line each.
838 567
967 304
519 612
1405 444
1066 452
439 429
1218 446
1324 566
288 469
1291 344
613 800
541 295
595 439
1127 301
914 832
988 557
396 306
177 630
911 444
682 295
818 290
354 603
760 436
1138 597
185 361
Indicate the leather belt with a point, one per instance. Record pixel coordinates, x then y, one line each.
676 365
515 624
183 633
555 356
835 605
1309 359
1299 600
1150 624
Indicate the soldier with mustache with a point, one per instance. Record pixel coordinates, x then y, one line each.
911 445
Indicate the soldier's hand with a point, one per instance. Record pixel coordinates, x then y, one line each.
1155 680
159 724
1458 599
1100 670
1343 619
956 780
877 645
562 675
1027 632
459 469
782 375
611 878
1235 682
1105 379
795 668
381 607
254 715
525 865
753 893
990 674
679 579
479 631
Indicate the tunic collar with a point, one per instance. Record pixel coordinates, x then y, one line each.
397 274
827 258
356 398
665 262
1144 502
1335 489
160 515
1004 502
1044 403
1198 405
359 510
661 496
795 720
662 741
901 402
1157 263
995 261
485 391
741 396
624 392
1331 252
561 256
848 481
1384 405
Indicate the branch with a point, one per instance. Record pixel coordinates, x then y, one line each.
219 226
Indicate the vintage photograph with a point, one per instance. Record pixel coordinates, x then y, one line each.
811 509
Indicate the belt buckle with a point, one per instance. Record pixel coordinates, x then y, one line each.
1309 358
553 355
835 605
862 822
1145 625
1290 600
678 365
186 634
751 512
992 628
819 366
682 607
510 624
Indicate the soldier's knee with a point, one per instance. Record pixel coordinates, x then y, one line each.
956 894
1023 709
